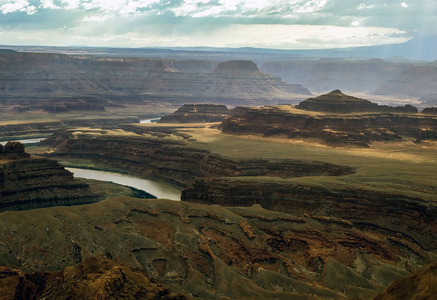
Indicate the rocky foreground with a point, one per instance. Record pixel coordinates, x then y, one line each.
205 251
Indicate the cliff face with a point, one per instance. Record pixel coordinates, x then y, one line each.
334 126
373 210
323 75
49 127
60 83
197 113
28 182
415 81
175 162
337 102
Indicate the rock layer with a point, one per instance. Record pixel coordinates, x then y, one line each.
337 102
92 279
333 127
420 285
371 209
29 182
210 251
197 113
175 162
59 83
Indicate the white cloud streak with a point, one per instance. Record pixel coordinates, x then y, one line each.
220 23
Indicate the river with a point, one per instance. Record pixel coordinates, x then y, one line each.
156 188
150 120
25 141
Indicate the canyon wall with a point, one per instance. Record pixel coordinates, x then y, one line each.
334 122
59 83
27 182
173 161
195 113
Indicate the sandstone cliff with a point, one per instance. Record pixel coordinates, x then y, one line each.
173 161
332 124
44 128
29 182
197 113
370 209
59 83
337 102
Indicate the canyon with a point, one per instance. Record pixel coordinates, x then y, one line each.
373 76
58 83
333 197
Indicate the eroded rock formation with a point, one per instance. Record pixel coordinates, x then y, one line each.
29 182
92 279
420 285
59 83
368 209
333 123
197 113
175 162
209 251
337 102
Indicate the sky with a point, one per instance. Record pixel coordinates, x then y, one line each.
275 24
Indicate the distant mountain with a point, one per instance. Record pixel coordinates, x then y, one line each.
422 48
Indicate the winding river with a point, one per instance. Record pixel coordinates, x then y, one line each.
25 141
150 120
157 189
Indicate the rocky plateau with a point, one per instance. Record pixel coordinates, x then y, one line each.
195 113
335 119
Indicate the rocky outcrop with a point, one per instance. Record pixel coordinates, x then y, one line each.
420 285
430 110
30 128
197 113
374 210
13 150
237 68
175 162
29 182
337 102
333 128
207 251
92 279
44 128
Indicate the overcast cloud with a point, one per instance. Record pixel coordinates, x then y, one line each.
284 24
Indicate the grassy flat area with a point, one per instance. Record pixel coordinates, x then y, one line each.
402 167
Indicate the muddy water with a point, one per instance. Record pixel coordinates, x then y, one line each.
157 189
25 141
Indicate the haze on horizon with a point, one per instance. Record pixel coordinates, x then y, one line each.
275 24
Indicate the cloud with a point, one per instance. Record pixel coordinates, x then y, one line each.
215 22
11 6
